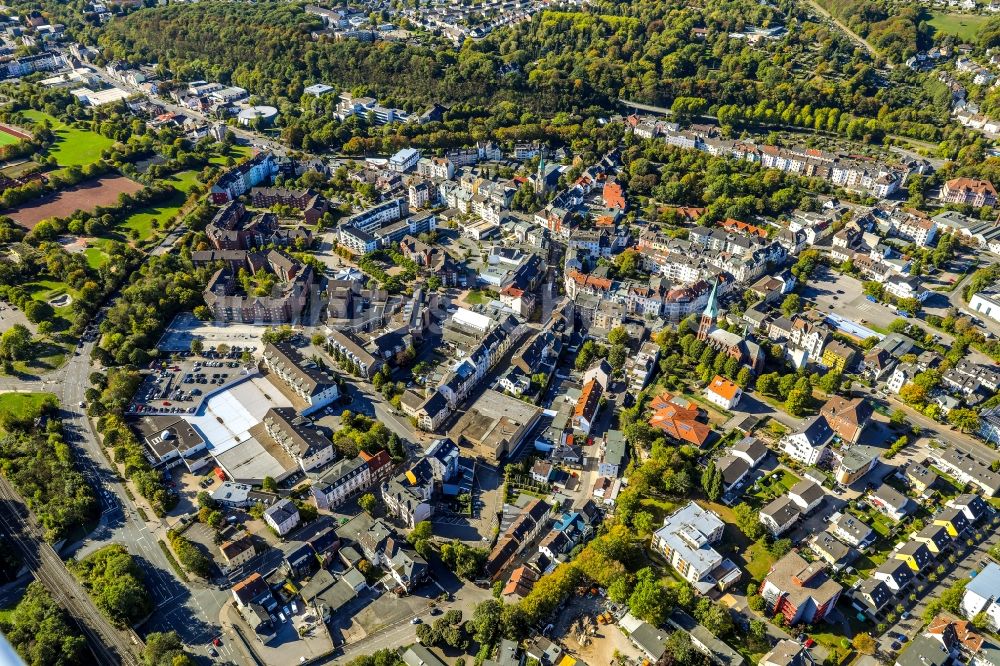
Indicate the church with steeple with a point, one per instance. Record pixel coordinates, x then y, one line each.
744 350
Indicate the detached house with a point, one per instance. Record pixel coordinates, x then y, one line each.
780 515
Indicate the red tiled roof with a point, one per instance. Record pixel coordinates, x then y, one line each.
678 421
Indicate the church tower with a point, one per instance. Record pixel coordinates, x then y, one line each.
710 314
540 185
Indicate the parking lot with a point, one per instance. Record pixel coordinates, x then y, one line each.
185 327
179 385
834 292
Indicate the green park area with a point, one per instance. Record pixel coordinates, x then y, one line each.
165 211
73 146
25 406
963 26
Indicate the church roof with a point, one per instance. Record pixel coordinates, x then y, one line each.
712 307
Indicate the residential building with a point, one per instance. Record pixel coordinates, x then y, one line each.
982 595
237 552
852 530
972 506
786 652
916 554
847 417
751 450
895 573
348 477
890 501
966 468
855 463
305 379
935 537
780 515
975 193
953 520
304 442
800 590
809 444
831 550
242 178
680 419
873 595
282 516
723 392
614 454
686 540
807 495
919 477
924 651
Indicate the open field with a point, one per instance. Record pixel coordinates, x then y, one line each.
85 196
963 26
165 211
73 146
24 405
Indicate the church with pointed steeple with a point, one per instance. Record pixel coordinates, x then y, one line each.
744 350
710 315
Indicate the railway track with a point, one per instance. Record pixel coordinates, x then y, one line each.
110 645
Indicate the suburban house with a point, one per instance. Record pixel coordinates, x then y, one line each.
780 515
722 392
895 573
890 501
852 530
807 495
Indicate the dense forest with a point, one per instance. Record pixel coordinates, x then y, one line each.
560 69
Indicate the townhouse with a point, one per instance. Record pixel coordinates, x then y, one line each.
348 477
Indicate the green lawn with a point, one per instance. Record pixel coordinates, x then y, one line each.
24 405
758 560
73 146
165 211
659 508
775 484
236 152
95 257
7 139
963 26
